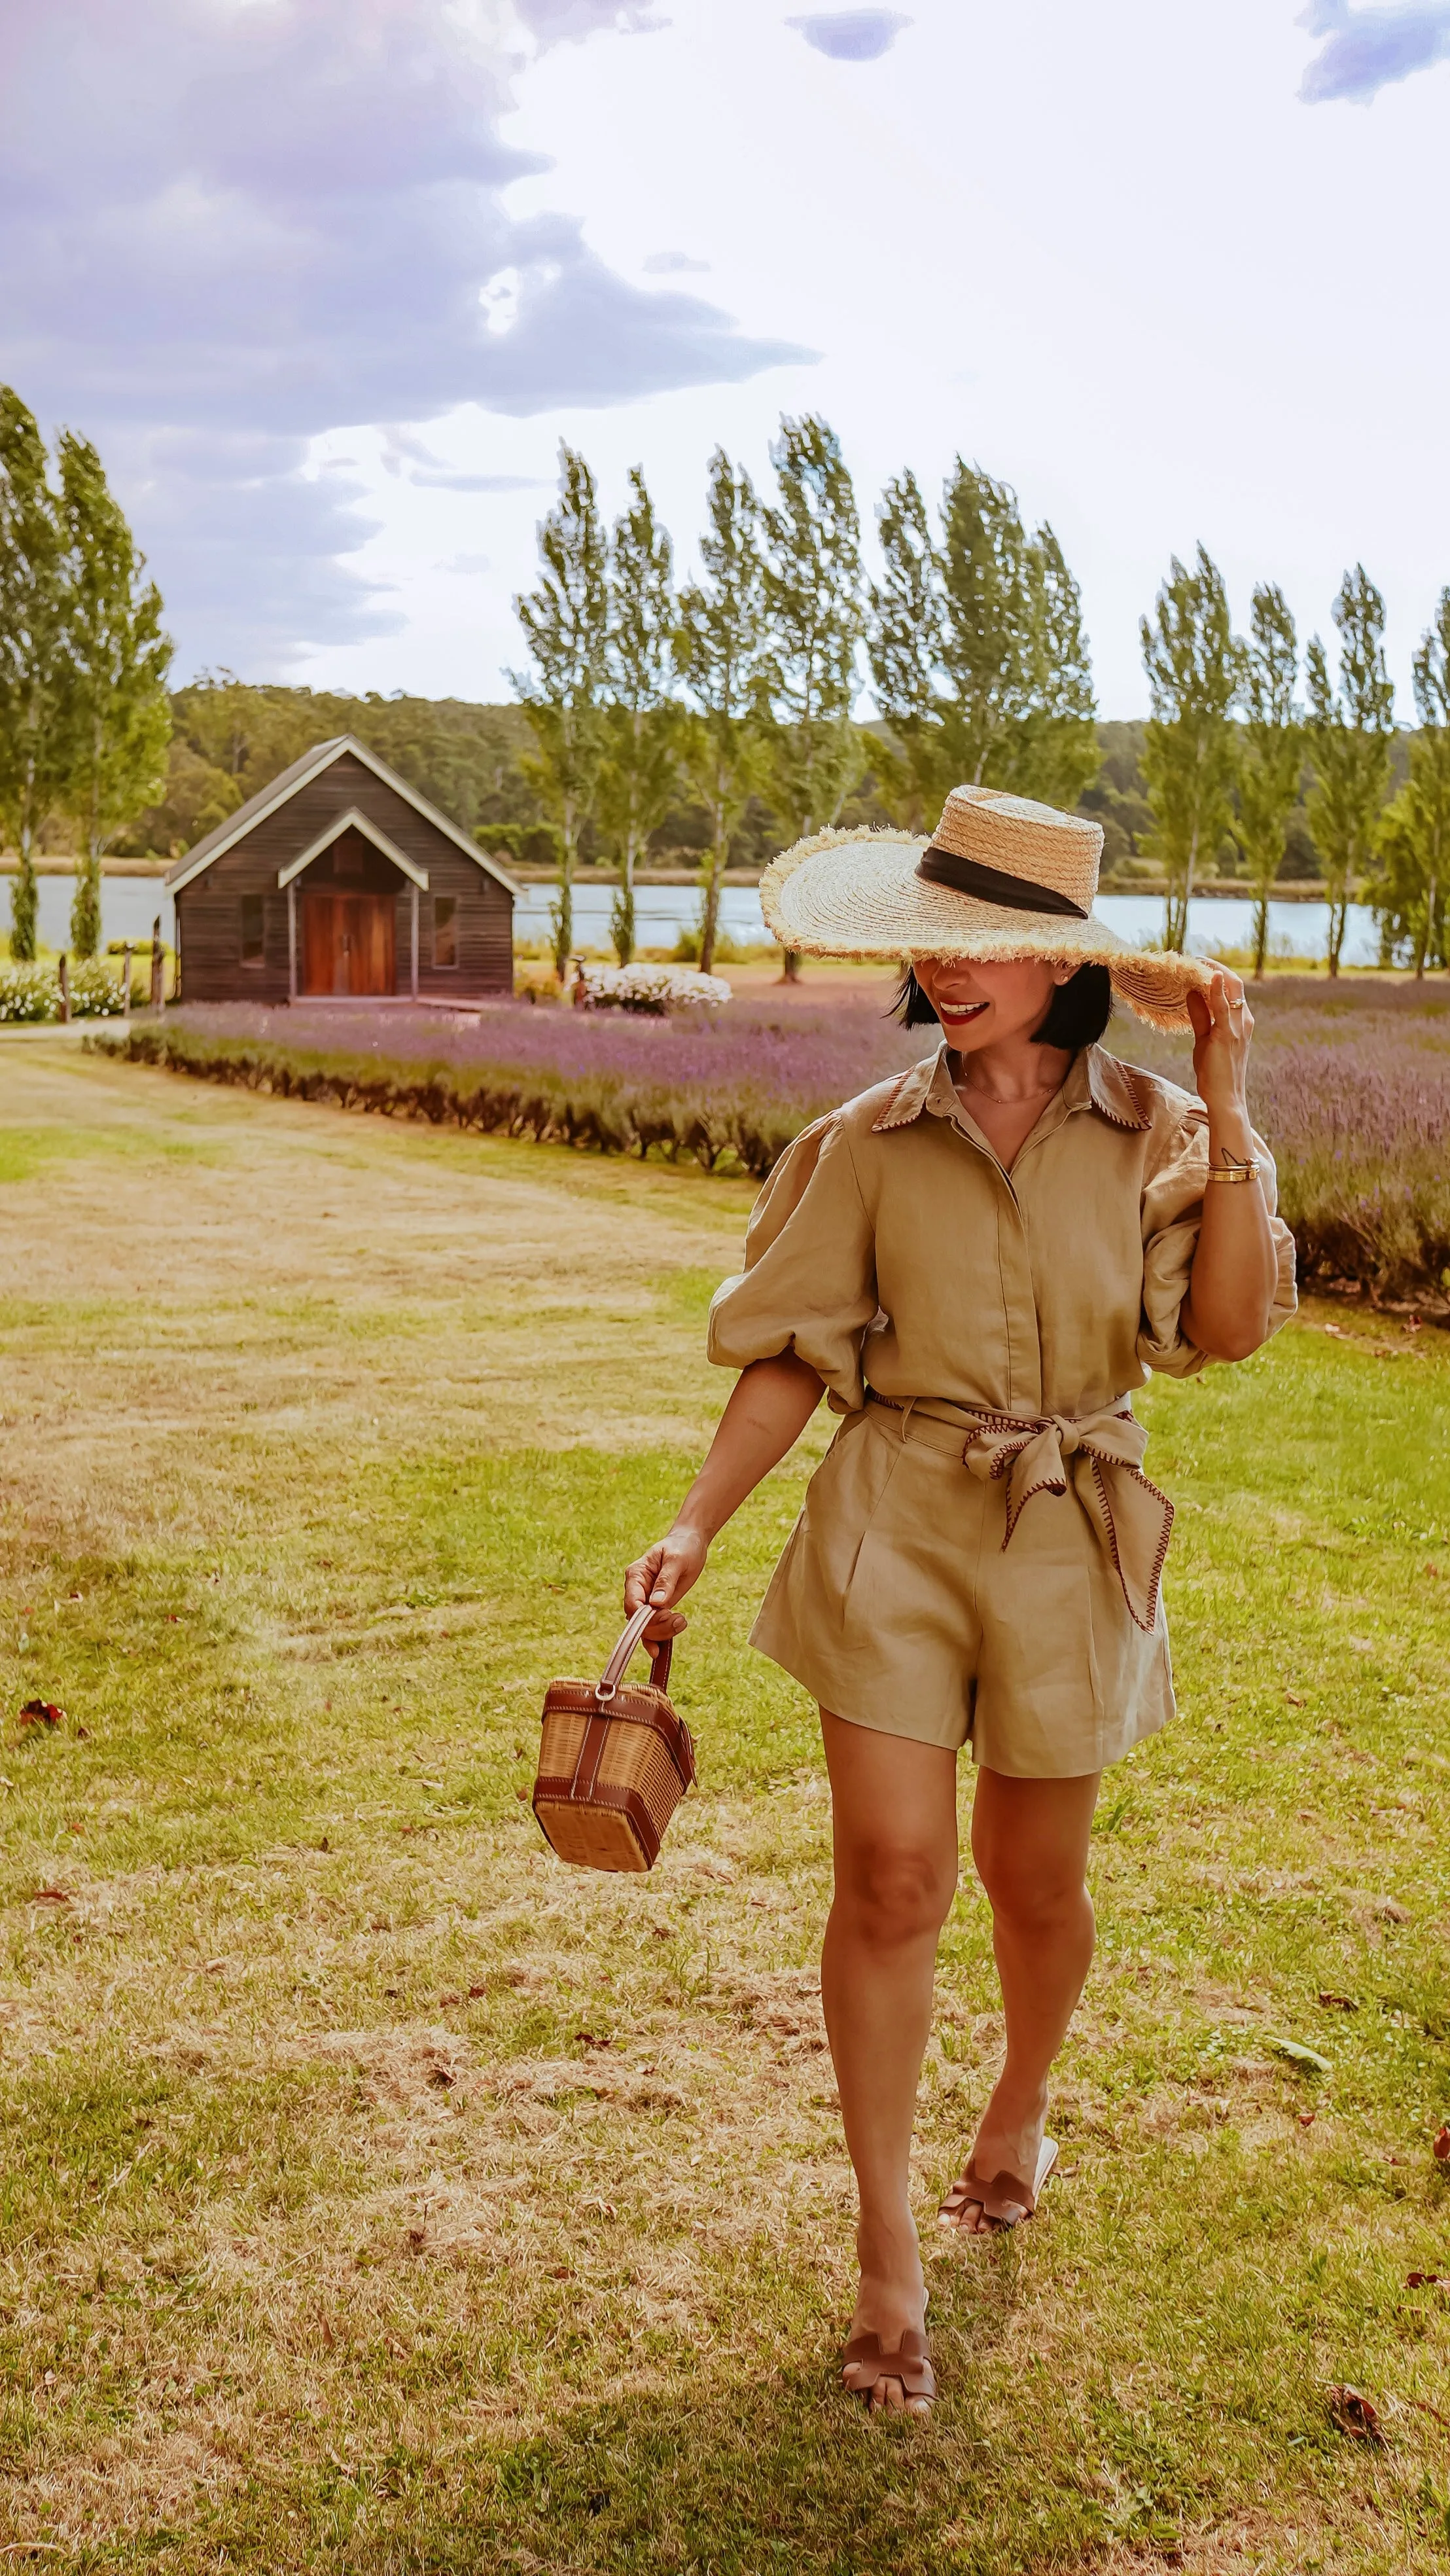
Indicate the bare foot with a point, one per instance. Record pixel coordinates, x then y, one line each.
1008 2141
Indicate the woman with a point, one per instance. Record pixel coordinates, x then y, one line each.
977 1262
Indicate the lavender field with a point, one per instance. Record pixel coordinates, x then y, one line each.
1351 1088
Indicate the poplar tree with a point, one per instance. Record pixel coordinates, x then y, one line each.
1270 749
1057 754
903 645
565 625
1191 660
977 651
118 716
721 649
1413 895
33 744
1351 728
814 614
640 773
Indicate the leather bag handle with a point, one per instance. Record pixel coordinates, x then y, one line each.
659 1652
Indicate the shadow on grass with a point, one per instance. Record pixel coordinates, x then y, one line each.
715 2475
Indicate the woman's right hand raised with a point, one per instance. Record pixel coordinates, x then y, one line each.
662 1576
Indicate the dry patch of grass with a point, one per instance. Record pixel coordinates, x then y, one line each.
379 2195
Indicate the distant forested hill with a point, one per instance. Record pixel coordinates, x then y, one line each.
230 739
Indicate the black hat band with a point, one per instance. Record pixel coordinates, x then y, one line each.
993 885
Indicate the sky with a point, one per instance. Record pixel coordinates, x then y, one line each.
327 281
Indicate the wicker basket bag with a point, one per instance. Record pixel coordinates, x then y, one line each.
615 1761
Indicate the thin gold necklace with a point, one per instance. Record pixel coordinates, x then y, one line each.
1039 1091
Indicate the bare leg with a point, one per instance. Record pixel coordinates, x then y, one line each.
1030 1846
894 1818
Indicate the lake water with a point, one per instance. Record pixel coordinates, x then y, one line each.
129 905
1215 923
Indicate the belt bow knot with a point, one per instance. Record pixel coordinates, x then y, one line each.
1100 1453
1132 1517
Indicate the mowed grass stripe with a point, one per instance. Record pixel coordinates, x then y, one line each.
380 2195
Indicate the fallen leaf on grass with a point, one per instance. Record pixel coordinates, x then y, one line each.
1352 2413
1427 2280
41 1712
1341 2003
1440 2146
1293 1699
1306 2119
1299 2055
475 1991
51 1896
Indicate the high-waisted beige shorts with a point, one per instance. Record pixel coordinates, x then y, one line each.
896 1607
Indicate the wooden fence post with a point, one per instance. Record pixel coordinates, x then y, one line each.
158 968
126 981
64 982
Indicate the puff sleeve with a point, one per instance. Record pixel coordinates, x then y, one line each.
809 1282
1172 1210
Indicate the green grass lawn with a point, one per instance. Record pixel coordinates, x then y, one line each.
380 2195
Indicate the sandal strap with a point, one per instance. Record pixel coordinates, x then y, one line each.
969 2186
1013 2189
910 2362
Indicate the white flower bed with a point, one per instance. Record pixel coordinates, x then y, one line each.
653 988
33 992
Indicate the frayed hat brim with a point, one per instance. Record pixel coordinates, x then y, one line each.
857 894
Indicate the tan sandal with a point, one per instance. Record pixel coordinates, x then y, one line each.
866 2362
1004 2200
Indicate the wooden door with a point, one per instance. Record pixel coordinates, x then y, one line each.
347 943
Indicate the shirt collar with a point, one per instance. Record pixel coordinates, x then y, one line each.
1095 1079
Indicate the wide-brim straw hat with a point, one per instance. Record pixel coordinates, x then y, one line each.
1000 878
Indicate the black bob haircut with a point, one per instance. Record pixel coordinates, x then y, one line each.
1077 1014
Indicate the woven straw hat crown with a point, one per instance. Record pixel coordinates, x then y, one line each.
1022 839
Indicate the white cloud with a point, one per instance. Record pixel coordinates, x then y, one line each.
851 35
266 224
1366 49
672 263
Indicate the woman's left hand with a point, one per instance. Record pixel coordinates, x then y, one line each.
1223 1025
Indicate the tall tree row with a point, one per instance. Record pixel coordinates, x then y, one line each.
84 716
744 684
1414 833
977 651
1229 744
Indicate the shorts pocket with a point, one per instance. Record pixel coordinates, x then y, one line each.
1039 1705
843 1499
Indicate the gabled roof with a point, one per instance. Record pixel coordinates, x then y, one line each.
300 774
353 819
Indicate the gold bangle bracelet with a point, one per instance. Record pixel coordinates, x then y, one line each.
1233 1172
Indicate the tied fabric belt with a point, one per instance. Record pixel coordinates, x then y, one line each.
1132 1518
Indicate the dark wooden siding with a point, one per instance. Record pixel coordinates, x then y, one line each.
209 910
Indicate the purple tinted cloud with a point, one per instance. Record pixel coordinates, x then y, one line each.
851 35
269 222
559 22
1366 49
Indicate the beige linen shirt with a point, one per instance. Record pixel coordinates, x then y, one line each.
932 1587
891 1248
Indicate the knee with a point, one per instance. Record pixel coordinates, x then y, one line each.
895 1892
1037 1897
